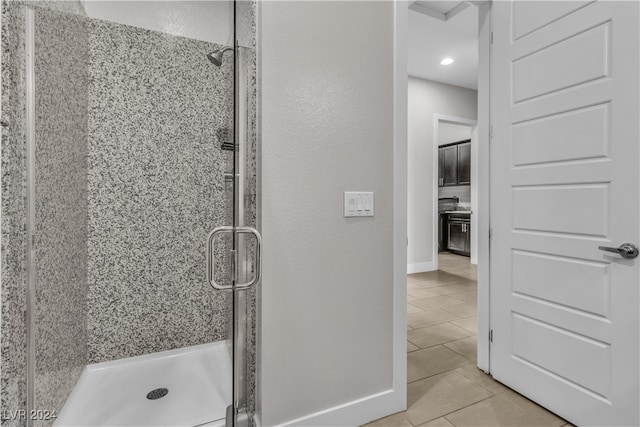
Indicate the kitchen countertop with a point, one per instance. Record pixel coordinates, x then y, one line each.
458 212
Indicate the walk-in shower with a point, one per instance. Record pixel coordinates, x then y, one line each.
119 143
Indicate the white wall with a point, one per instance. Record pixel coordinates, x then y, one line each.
210 21
327 289
448 132
427 98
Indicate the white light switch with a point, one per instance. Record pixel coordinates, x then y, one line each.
358 203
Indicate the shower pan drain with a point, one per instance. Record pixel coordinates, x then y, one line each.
157 393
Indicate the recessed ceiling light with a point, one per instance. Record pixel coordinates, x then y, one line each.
446 61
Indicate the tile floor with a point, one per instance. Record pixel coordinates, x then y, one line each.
444 386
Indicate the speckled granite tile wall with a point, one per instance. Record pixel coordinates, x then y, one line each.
61 88
61 272
67 6
156 189
13 340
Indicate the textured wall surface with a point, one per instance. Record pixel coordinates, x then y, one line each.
156 189
61 81
13 340
327 127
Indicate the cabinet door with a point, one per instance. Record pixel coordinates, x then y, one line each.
440 167
467 238
457 237
442 232
464 163
450 160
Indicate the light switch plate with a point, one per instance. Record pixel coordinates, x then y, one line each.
358 203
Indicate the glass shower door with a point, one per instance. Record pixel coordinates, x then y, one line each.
245 241
139 143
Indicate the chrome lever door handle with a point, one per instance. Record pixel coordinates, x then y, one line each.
258 255
626 250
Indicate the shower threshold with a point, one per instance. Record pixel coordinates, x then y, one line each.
184 387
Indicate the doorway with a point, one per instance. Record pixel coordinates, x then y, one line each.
455 189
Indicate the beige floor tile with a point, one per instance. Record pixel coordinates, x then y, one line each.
396 420
411 347
433 292
468 296
412 279
411 308
430 317
439 301
439 395
426 284
456 267
505 409
415 286
462 287
431 361
409 328
465 347
440 422
474 374
468 275
437 334
440 276
462 310
469 323
410 297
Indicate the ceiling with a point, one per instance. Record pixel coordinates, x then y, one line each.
439 29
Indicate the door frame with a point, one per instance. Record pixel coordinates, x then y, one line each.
483 195
401 176
452 120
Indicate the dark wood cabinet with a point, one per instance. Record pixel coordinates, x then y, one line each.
450 165
440 167
459 236
454 164
464 163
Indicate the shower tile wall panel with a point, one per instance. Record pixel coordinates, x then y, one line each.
13 342
61 102
13 390
67 6
156 189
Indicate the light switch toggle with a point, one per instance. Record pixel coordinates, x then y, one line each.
358 203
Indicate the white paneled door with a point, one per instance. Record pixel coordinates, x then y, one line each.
564 181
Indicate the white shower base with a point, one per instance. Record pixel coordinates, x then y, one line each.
115 393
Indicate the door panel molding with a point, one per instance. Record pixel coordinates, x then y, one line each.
564 177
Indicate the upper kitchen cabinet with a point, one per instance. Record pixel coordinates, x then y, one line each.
454 161
449 165
464 163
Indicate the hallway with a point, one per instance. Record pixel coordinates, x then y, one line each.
444 386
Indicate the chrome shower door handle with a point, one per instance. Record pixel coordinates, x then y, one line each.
625 250
258 264
211 262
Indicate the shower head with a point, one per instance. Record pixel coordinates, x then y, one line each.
216 56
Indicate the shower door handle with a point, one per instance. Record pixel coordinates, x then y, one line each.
258 255
211 261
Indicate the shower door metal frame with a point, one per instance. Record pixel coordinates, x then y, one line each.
237 412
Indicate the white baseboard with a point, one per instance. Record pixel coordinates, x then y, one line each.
420 267
355 413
